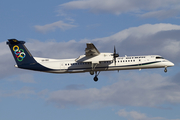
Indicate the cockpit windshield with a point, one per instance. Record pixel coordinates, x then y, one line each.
159 57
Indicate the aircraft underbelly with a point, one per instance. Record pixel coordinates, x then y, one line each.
79 69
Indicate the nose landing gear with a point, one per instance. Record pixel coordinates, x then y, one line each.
165 70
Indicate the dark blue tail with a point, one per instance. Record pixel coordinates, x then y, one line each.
23 57
21 54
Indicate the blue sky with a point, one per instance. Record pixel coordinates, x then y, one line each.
61 29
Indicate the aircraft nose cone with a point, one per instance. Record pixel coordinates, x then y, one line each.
171 64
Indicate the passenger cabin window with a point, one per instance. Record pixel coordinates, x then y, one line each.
159 58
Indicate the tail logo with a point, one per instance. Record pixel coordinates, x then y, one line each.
19 53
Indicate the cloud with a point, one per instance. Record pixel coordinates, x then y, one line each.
134 115
131 89
24 92
25 78
139 32
161 14
58 50
75 87
138 90
127 6
53 26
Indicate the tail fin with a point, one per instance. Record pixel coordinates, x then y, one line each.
21 54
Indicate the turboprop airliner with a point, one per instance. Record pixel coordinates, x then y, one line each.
92 61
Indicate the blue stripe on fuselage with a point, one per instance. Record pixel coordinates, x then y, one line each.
34 66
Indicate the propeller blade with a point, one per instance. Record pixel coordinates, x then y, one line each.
115 61
114 50
115 55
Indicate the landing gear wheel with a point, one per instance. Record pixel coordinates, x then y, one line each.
95 78
165 70
96 74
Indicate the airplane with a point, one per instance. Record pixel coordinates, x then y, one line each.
92 61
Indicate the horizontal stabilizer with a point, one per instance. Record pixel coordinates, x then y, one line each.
14 42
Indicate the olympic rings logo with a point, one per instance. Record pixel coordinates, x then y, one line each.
19 53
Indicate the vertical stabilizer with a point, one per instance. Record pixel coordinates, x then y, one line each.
21 54
23 57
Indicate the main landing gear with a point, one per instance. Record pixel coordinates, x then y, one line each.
96 74
93 71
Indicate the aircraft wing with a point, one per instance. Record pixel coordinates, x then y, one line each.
93 55
91 50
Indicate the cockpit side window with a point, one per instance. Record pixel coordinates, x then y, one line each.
159 58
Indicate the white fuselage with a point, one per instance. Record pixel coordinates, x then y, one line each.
103 62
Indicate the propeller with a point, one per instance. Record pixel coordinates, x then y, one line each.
115 55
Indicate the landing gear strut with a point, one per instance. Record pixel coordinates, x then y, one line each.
96 74
93 71
165 70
